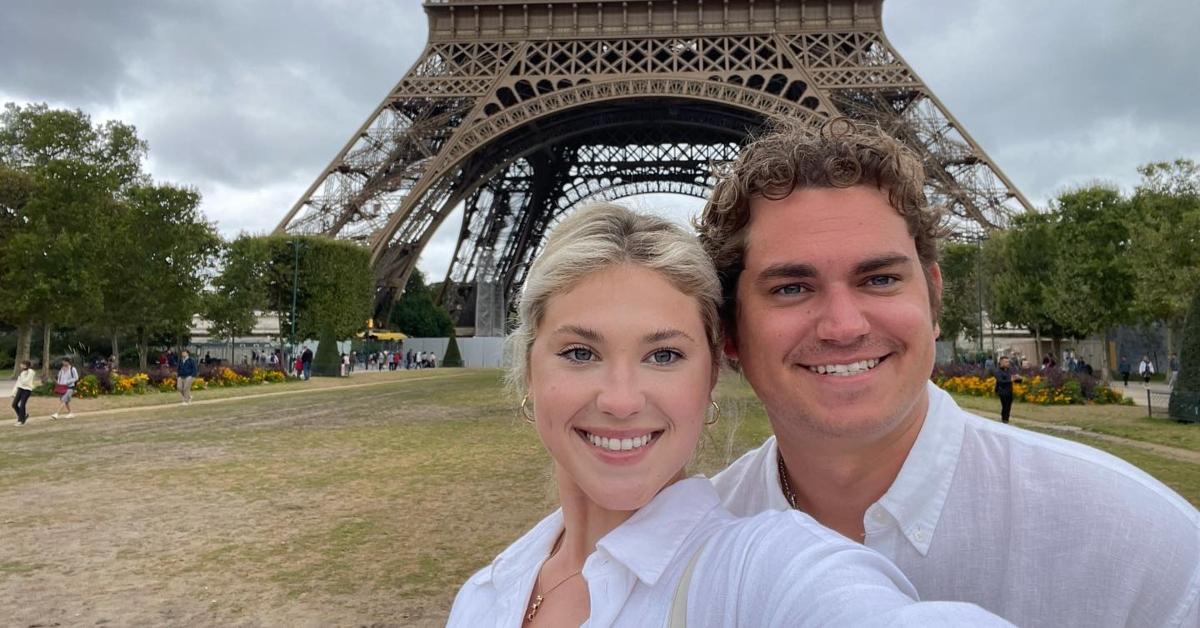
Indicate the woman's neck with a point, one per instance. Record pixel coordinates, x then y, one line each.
584 521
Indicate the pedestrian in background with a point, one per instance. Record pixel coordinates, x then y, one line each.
64 387
306 359
1124 369
186 376
1173 370
21 391
1146 369
1004 387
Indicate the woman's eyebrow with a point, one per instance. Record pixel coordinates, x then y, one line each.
590 335
665 334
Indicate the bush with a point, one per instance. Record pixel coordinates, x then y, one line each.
1052 387
327 362
1185 398
453 358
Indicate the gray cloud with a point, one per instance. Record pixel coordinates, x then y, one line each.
248 101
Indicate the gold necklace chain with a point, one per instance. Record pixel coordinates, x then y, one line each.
788 493
537 599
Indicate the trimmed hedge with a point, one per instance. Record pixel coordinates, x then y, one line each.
1185 398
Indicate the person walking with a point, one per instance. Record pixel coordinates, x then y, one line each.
1124 369
1146 369
306 361
186 376
1004 387
1173 371
64 387
22 390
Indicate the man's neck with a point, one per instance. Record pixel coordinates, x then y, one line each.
835 479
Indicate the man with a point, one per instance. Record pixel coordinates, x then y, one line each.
1146 370
1124 369
186 376
306 359
1173 368
1004 390
827 253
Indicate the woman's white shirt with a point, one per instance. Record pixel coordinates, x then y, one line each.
773 569
25 380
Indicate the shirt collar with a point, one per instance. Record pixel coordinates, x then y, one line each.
655 534
526 554
918 494
645 544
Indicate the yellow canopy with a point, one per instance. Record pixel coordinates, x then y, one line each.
379 334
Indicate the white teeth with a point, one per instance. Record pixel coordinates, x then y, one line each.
618 444
845 370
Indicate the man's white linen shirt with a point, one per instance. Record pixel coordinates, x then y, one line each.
1039 530
775 569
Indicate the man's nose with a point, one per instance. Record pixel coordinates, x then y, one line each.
841 316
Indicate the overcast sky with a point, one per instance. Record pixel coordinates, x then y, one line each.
248 100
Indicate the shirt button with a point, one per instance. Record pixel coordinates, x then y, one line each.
878 516
919 536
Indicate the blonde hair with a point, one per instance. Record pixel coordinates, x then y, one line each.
604 236
793 156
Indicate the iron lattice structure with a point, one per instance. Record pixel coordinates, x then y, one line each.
520 110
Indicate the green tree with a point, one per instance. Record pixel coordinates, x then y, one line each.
160 250
416 314
1165 252
1091 288
1020 263
333 285
48 262
960 291
239 291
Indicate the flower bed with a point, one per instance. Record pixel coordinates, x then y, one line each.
1053 387
93 383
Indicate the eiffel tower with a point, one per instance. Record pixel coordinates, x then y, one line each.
518 111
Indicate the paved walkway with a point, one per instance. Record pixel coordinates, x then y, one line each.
434 374
1158 398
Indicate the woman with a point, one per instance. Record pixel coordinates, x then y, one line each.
615 356
64 387
21 391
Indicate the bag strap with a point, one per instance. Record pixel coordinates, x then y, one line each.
678 615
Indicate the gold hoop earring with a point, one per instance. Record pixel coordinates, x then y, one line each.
716 414
524 410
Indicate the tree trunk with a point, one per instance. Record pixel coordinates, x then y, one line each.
116 350
24 340
1037 339
143 350
46 328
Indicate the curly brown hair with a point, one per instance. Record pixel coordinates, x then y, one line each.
792 155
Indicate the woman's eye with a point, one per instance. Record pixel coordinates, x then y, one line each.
578 354
665 356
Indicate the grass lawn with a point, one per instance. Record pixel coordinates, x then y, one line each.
355 506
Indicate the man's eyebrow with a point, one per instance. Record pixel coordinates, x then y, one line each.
590 335
787 271
665 334
881 262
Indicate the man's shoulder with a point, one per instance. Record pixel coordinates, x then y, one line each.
1067 475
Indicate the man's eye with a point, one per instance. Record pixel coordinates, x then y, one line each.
882 281
578 354
790 289
665 356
